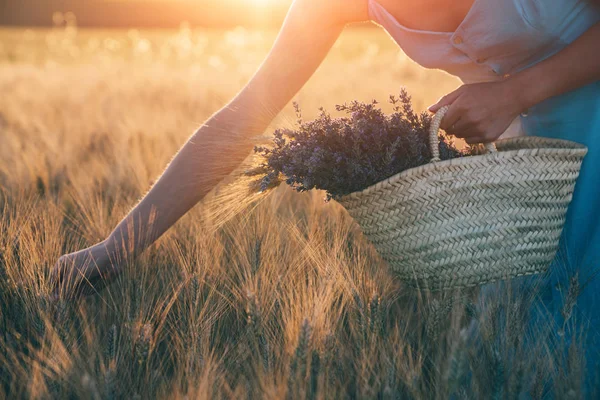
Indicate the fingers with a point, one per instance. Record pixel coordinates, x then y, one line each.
57 277
452 117
446 100
476 139
477 112
91 286
470 132
474 135
73 276
464 125
463 122
64 279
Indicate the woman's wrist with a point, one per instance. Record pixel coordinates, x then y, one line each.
525 91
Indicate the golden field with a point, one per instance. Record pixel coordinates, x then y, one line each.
285 300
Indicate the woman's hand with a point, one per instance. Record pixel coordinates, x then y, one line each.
84 272
481 112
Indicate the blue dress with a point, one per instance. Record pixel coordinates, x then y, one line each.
576 116
498 38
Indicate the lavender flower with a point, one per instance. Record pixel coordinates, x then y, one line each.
349 154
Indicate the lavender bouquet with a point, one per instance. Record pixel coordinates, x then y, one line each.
349 154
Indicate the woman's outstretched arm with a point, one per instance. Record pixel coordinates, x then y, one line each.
219 145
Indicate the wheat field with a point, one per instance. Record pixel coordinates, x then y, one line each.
283 300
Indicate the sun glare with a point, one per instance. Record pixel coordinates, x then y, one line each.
262 2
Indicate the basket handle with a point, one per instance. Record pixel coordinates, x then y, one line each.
434 141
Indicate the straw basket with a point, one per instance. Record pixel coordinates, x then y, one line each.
472 220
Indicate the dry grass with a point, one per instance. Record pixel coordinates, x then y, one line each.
286 300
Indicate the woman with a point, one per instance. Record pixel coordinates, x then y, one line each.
530 59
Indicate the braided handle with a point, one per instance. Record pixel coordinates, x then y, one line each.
434 141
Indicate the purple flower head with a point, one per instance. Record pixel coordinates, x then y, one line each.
348 154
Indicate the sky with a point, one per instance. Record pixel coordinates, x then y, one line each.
147 13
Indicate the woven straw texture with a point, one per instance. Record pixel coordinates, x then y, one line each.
473 220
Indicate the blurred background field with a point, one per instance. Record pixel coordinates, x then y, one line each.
66 87
285 301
